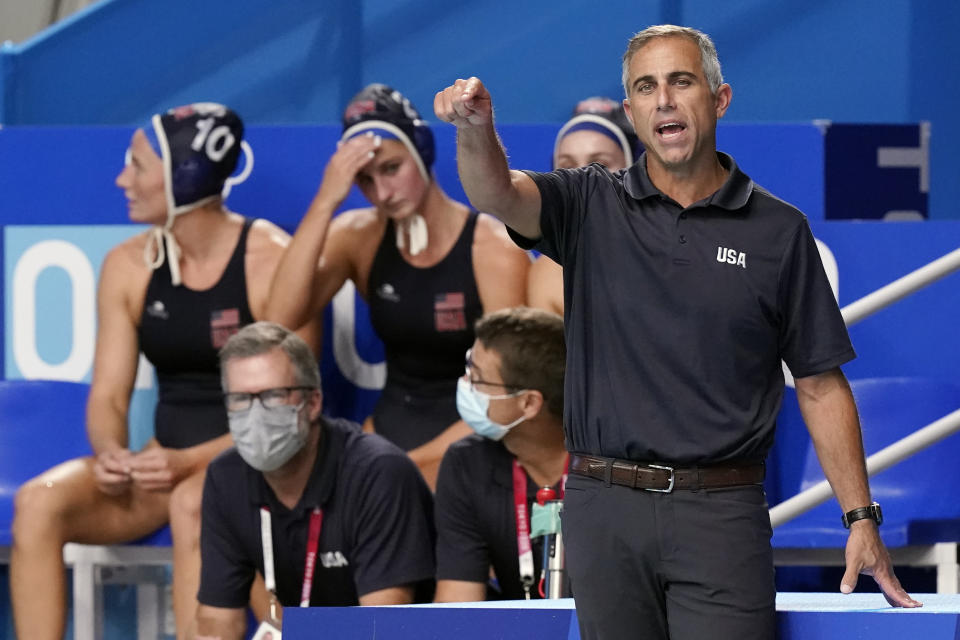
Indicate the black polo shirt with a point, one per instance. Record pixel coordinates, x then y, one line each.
476 523
377 529
676 319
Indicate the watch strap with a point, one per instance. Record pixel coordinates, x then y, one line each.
872 512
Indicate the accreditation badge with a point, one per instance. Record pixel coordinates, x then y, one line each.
266 631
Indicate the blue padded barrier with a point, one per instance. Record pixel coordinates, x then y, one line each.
41 425
918 495
800 616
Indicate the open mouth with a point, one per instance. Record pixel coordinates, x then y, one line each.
669 130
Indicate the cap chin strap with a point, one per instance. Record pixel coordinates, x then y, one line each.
161 243
416 228
158 238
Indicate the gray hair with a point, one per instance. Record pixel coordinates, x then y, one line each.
259 338
708 52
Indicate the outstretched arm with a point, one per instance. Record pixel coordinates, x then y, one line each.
830 412
487 180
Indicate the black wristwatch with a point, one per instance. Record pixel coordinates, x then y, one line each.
862 513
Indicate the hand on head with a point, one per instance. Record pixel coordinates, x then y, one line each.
351 156
465 104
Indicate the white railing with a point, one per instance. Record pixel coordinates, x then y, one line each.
916 441
881 460
901 288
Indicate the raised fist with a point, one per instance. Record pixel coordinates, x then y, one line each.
465 104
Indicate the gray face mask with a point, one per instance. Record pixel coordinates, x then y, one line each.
267 438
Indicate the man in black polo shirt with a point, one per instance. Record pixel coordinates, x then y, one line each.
345 515
512 396
685 286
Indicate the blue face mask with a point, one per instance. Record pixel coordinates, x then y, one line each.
473 406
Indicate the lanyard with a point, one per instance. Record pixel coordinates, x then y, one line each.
524 548
309 563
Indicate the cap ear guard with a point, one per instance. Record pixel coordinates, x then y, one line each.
244 173
424 142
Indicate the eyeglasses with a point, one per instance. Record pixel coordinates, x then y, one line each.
475 381
269 398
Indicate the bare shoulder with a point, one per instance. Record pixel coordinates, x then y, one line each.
266 242
492 246
491 234
356 221
544 267
124 276
126 258
267 234
354 230
545 285
499 266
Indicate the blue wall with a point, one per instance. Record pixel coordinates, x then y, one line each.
286 61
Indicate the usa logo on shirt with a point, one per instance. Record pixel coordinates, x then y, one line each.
732 256
223 324
333 560
449 312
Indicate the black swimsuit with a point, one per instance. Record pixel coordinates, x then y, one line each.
425 317
180 333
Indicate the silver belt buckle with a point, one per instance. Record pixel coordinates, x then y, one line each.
669 488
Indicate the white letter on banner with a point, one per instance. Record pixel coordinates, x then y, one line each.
833 277
359 372
43 255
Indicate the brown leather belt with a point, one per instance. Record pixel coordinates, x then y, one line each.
663 478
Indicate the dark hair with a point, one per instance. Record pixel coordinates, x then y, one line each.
532 350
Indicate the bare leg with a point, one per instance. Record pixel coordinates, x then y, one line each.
185 511
64 505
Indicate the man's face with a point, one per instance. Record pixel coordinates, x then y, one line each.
483 372
670 103
270 370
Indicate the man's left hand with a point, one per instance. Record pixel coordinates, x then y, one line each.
866 554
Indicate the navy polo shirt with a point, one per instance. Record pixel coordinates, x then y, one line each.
676 319
476 523
377 529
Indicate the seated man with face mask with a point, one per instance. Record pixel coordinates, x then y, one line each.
512 396
329 515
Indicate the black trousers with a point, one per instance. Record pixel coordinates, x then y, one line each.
681 566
